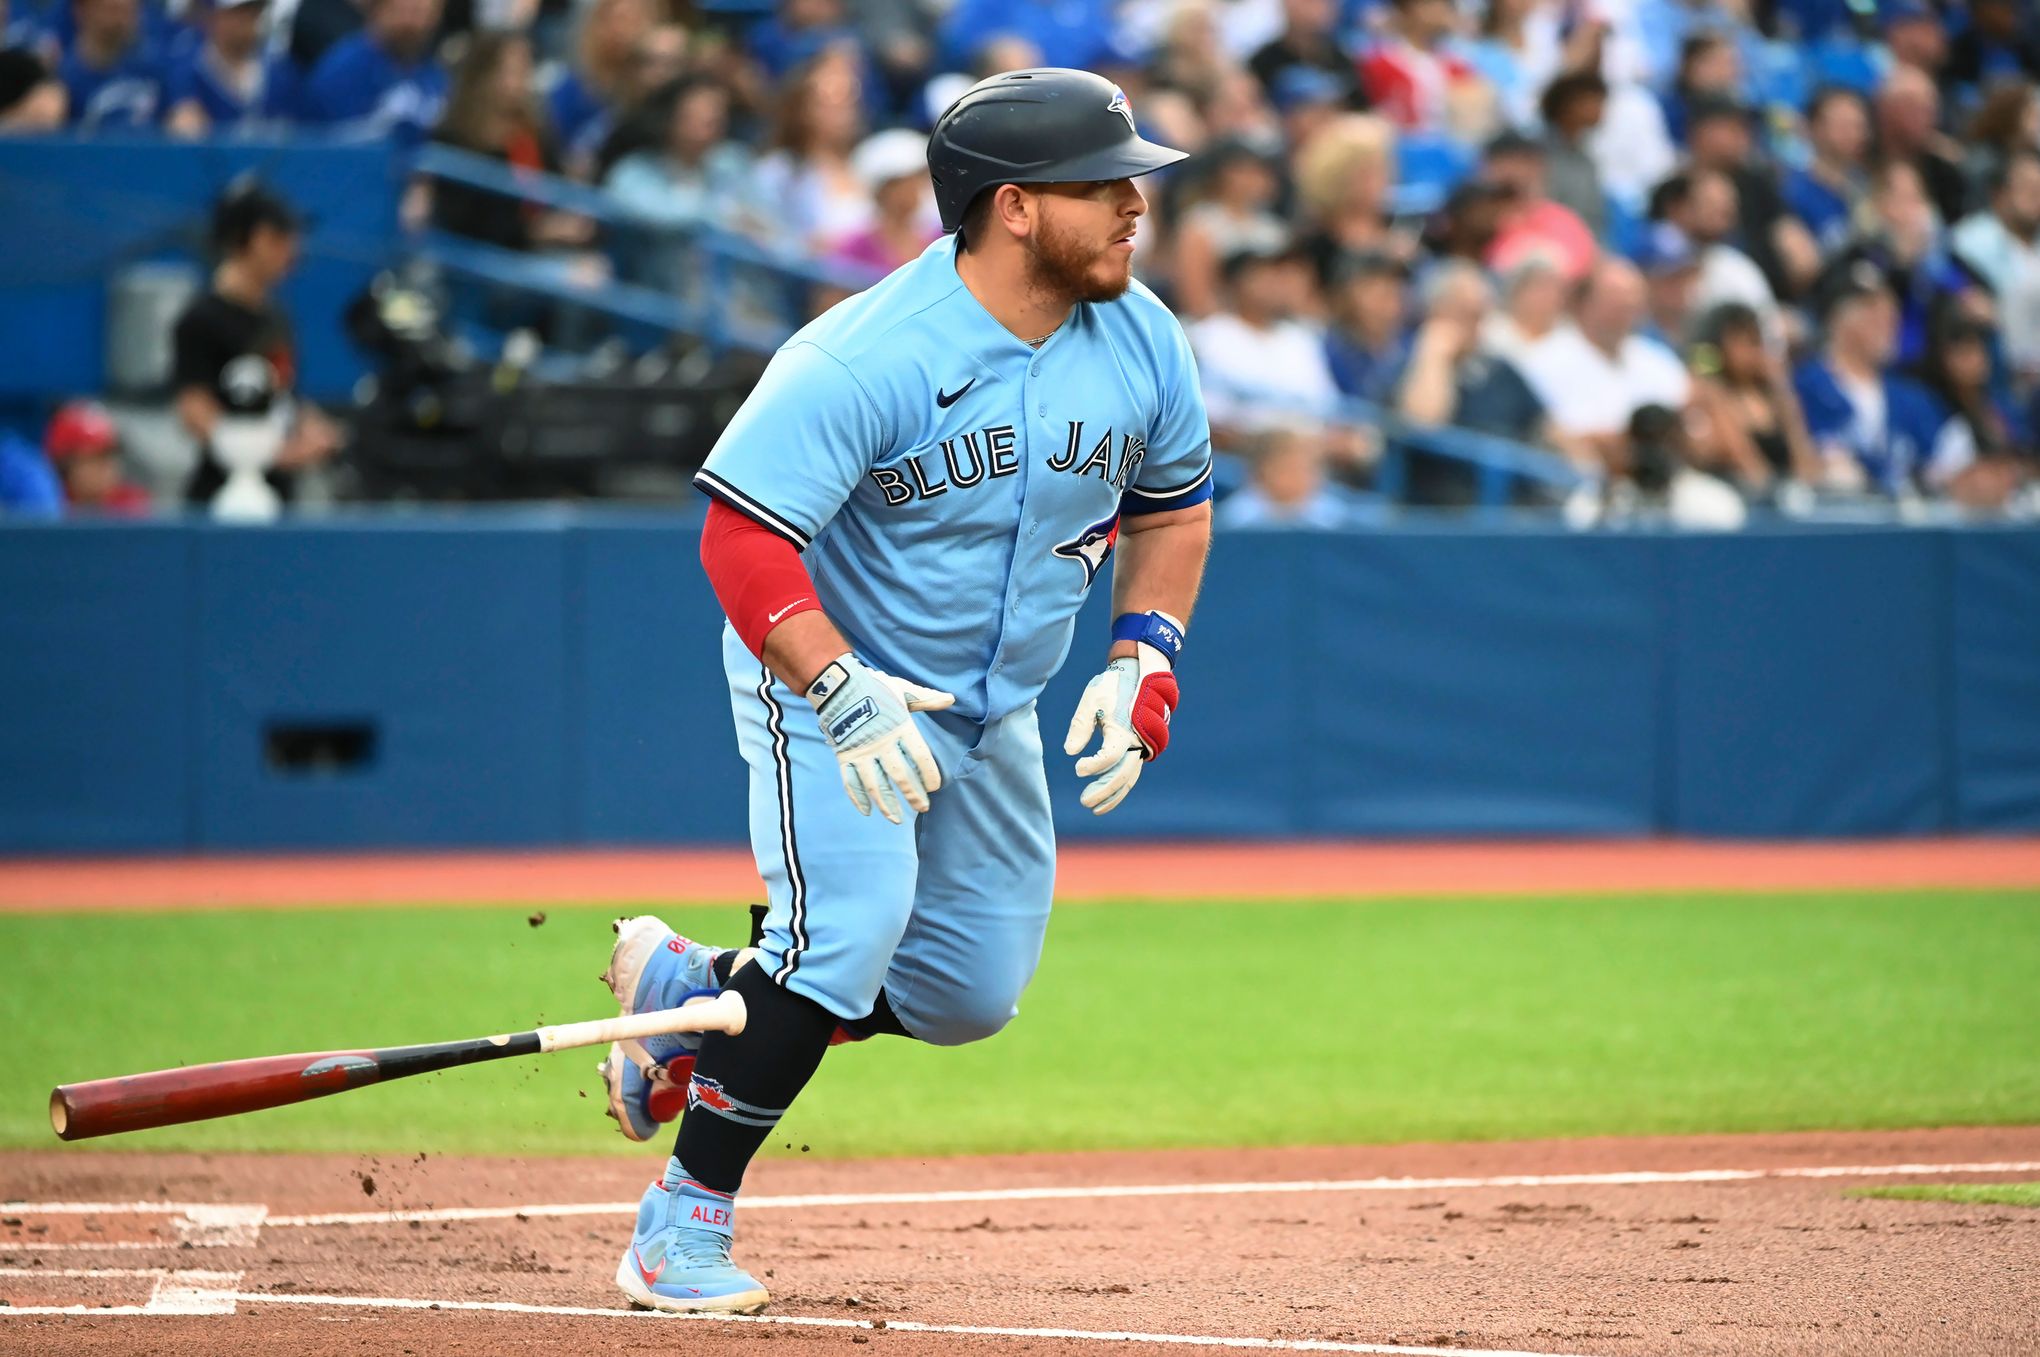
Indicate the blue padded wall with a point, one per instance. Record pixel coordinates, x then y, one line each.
654 756
1808 683
96 654
1995 671
449 637
1480 684
536 677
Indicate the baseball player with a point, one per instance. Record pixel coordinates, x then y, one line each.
908 512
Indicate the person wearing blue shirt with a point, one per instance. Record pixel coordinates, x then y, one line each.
384 79
28 485
1065 32
1824 193
227 81
1870 426
113 74
1366 348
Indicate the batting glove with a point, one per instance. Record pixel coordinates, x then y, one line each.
1129 706
867 718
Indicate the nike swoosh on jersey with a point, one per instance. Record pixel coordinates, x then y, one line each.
945 399
774 617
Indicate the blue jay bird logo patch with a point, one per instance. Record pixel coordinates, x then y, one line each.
1120 106
1092 547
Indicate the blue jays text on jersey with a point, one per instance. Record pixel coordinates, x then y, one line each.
954 490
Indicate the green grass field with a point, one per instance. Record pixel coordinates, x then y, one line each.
1249 1023
1977 1194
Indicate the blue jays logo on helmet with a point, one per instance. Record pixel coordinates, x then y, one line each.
1121 107
1092 547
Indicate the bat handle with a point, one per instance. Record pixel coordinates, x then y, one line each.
724 1013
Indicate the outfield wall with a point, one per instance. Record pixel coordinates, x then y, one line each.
536 677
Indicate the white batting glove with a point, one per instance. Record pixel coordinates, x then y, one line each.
1129 706
867 718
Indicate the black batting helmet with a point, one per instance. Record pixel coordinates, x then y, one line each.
1050 125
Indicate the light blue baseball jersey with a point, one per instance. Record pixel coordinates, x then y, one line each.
954 492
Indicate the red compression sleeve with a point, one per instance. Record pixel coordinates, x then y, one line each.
756 573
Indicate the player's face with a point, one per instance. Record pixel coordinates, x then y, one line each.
1083 245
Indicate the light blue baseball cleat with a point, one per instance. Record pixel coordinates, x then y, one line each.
650 968
679 1254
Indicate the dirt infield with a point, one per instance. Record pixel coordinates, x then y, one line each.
1591 1247
1084 872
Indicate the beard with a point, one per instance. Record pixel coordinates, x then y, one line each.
1063 264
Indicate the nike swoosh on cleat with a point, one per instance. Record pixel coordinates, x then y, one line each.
651 1275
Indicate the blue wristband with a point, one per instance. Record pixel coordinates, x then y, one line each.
1150 629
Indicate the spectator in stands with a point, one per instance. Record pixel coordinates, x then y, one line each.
1908 116
1533 307
494 112
32 99
1233 211
2006 122
1451 378
642 118
2002 39
1904 242
1572 108
1710 68
228 81
1518 53
113 73
1287 486
1977 456
1238 111
893 166
1258 350
1190 56
29 488
1663 480
83 444
1671 282
1342 180
805 193
1916 35
1307 42
1413 78
2001 246
1827 192
1751 429
1871 427
798 31
232 351
1701 205
583 103
1720 137
1531 222
1070 33
1594 373
385 79
699 177
1307 101
1466 227
24 32
316 25
1367 344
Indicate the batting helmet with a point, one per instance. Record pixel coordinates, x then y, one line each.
1050 125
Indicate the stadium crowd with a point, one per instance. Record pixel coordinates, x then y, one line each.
1714 253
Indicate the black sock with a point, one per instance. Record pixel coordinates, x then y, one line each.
880 1022
742 1085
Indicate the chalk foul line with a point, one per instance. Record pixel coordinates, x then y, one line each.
1018 1194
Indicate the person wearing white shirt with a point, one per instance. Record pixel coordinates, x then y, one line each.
1594 373
1255 360
2003 246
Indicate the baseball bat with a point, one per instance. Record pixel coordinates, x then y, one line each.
136 1102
